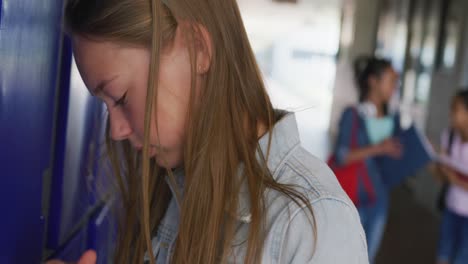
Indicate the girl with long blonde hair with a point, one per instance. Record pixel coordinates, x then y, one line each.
208 171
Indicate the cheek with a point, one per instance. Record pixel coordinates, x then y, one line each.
175 77
171 120
173 98
464 117
136 106
388 89
457 118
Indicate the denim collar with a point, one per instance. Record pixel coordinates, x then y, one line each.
284 139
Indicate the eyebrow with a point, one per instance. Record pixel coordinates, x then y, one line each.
101 85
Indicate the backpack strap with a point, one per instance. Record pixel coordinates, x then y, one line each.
355 129
363 172
450 141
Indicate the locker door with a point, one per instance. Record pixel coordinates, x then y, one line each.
29 45
78 166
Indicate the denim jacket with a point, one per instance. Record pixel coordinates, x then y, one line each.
290 236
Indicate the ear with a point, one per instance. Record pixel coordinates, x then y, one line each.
204 49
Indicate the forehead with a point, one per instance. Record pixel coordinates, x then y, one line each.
389 70
94 59
99 60
389 73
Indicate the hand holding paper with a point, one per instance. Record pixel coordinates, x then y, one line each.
416 153
458 167
391 147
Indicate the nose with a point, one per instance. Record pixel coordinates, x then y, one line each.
120 128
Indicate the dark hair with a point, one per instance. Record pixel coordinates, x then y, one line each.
462 95
366 67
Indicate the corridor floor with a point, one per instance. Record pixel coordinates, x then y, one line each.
411 234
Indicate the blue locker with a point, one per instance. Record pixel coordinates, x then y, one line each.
51 142
75 161
97 234
102 233
79 170
72 249
29 60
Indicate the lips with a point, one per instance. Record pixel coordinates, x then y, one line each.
139 148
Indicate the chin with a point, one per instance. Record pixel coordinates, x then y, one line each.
167 163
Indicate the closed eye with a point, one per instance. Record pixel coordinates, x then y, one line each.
122 101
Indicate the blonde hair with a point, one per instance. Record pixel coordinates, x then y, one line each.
221 129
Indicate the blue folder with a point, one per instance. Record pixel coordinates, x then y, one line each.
417 154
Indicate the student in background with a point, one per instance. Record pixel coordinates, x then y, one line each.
374 128
453 242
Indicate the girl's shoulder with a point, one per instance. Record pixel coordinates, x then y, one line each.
351 112
293 232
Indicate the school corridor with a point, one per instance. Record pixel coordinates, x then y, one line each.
412 231
52 131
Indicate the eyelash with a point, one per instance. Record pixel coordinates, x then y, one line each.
122 101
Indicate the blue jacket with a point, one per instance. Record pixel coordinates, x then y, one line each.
342 148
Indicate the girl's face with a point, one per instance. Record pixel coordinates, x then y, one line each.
387 84
118 75
459 115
